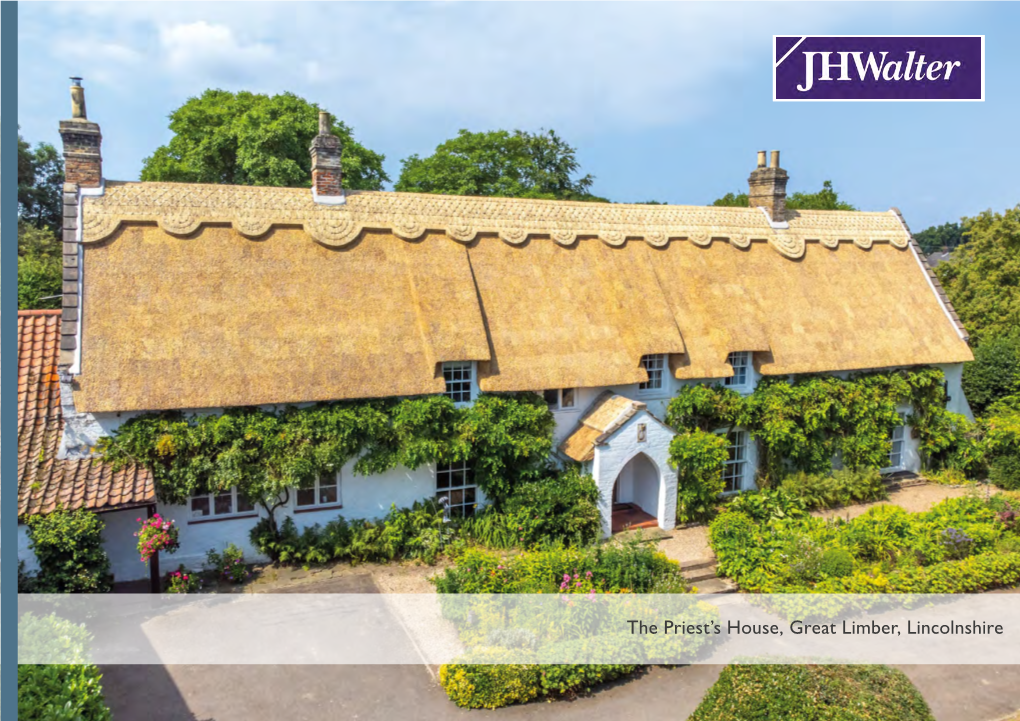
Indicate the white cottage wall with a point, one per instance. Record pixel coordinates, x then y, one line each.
613 456
361 497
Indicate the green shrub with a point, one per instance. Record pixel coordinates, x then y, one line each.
493 685
182 580
633 567
736 540
420 532
948 477
57 692
69 548
768 504
1004 472
837 563
698 458
952 548
566 678
993 374
490 685
60 692
229 565
838 488
812 693
561 508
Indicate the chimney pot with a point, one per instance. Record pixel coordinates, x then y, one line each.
83 161
767 187
326 152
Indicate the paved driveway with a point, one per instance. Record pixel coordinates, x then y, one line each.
408 693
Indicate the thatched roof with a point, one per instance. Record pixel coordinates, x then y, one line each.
203 296
607 413
44 481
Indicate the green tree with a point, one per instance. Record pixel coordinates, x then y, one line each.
246 138
983 277
824 199
937 237
40 185
994 374
39 282
499 163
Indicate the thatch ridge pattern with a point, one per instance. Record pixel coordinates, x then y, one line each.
182 208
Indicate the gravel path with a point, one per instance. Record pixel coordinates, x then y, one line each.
687 545
912 499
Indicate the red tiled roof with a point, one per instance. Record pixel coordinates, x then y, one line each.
44 482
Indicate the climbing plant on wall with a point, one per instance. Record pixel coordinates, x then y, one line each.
264 453
803 424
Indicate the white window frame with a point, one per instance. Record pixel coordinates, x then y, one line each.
742 460
740 361
449 471
558 404
901 432
212 515
654 363
316 489
452 368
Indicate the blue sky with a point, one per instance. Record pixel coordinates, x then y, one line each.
663 101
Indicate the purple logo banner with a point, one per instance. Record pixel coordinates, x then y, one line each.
878 67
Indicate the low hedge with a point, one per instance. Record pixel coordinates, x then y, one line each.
60 692
637 568
812 693
494 685
57 692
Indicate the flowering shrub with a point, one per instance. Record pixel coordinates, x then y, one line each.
229 565
958 544
181 581
156 534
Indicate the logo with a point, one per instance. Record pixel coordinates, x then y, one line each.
878 67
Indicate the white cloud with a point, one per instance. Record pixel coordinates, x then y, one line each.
207 51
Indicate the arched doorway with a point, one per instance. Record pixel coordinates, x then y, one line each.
636 495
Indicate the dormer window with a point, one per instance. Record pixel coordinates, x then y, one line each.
560 399
459 378
654 365
740 362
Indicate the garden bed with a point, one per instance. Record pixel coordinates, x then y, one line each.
961 545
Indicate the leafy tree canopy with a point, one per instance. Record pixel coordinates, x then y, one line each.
983 277
40 184
824 199
251 139
499 163
937 237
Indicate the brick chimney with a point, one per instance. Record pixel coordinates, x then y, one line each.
326 177
83 164
767 187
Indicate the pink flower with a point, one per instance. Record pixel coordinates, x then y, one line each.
566 577
588 574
